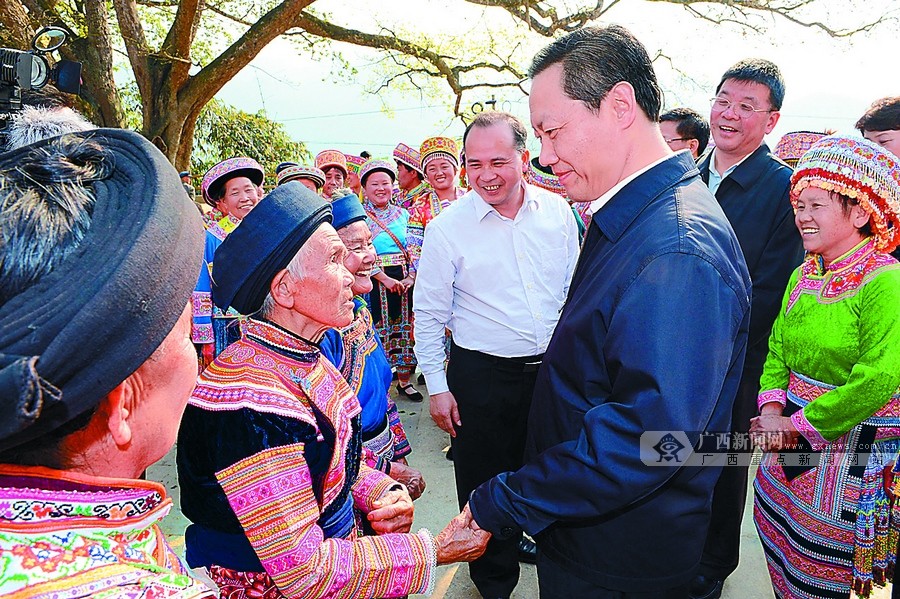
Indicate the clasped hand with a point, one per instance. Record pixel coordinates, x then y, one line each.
393 512
462 540
407 475
770 431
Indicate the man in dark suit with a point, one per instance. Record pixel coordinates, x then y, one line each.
649 346
751 185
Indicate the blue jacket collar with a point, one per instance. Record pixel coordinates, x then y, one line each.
618 214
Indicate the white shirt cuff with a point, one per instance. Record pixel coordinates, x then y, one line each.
436 382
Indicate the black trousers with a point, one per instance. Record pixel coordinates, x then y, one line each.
723 540
556 583
494 396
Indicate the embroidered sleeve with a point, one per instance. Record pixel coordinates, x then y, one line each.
401 442
201 298
271 494
415 234
779 396
815 438
369 486
373 461
201 317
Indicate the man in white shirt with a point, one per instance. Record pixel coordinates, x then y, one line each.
495 270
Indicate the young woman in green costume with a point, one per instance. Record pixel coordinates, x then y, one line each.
829 406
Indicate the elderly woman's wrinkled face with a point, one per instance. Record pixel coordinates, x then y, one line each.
165 383
826 227
360 255
379 187
324 294
241 195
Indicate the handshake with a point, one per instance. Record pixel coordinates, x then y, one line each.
462 540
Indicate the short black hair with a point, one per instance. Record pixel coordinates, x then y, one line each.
690 125
594 59
883 115
758 70
493 117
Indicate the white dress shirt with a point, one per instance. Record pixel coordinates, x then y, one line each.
497 283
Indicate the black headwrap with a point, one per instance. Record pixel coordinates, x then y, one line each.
83 328
263 244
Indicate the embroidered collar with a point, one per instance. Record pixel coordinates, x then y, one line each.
281 340
43 499
858 253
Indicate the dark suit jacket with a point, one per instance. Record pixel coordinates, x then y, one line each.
651 338
755 199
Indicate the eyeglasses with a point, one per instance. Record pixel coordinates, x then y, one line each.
668 141
742 109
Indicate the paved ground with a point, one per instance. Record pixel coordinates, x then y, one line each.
438 505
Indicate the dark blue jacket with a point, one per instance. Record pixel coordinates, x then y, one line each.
652 338
755 199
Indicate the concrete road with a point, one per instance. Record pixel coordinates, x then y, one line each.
438 506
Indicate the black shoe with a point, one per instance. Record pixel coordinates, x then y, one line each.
703 587
409 392
420 379
527 551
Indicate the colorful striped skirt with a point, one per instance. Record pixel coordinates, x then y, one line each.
829 527
392 317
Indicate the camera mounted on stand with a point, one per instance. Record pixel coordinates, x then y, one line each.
27 70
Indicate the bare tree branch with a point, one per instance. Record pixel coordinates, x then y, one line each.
737 12
204 85
441 64
541 17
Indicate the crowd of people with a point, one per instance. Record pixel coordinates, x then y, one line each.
647 273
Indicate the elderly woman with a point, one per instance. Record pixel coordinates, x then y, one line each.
96 364
829 389
269 448
232 188
358 354
391 297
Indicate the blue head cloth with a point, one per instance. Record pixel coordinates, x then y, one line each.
347 210
264 243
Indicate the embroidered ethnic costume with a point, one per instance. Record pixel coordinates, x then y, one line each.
357 352
210 326
834 362
71 535
269 464
392 313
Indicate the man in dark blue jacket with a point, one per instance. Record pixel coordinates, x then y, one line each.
751 185
651 340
